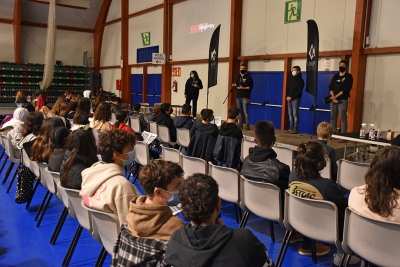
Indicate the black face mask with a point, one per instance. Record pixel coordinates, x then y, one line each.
243 71
342 69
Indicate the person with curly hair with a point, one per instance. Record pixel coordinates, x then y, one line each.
150 216
42 148
305 181
104 186
55 110
207 241
379 198
102 117
80 154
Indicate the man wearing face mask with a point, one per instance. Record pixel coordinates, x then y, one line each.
104 186
339 89
192 87
294 92
243 84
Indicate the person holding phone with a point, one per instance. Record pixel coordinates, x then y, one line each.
192 87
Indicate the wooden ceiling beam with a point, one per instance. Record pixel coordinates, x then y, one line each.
77 4
17 31
98 33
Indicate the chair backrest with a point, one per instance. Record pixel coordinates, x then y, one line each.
65 200
9 149
183 137
262 199
284 155
228 181
246 145
326 172
171 154
316 219
82 215
47 178
373 240
34 167
142 153
163 131
107 225
113 118
135 124
191 165
25 158
351 174
153 127
96 136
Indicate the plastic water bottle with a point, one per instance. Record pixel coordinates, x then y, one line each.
362 130
371 131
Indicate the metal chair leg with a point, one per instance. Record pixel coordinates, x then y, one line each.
10 167
346 263
59 226
44 210
33 193
313 251
244 219
42 205
271 230
2 154
101 258
72 247
12 181
4 164
284 247
342 260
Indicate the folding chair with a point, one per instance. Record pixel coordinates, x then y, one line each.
182 138
165 136
171 154
10 152
246 145
284 155
351 174
191 165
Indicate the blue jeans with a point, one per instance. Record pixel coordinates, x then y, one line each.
241 103
293 108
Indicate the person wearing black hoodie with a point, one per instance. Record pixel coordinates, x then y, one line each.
229 128
207 241
185 120
261 164
294 92
165 119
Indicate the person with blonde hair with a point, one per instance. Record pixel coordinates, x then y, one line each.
324 133
20 97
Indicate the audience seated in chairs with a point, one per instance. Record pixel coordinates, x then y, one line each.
102 117
165 119
150 222
203 137
207 241
185 120
261 164
324 133
227 148
30 130
82 113
137 114
306 181
155 111
17 123
104 186
122 119
379 198
80 155
58 140
42 148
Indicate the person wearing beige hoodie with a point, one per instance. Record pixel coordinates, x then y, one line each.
150 216
104 186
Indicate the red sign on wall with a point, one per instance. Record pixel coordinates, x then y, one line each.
118 85
176 71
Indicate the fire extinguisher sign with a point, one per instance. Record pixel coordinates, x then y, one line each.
176 71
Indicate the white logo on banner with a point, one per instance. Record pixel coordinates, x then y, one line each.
311 53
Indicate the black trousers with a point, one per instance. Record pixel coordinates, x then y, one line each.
194 97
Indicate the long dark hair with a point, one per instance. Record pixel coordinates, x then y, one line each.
120 115
310 160
58 137
32 123
382 181
41 148
83 109
196 76
79 142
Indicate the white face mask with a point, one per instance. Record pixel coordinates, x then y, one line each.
294 73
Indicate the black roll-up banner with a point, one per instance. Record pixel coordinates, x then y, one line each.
312 57
213 58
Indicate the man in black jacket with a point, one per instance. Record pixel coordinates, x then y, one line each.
137 114
261 164
339 89
165 119
207 241
185 120
243 84
229 128
294 92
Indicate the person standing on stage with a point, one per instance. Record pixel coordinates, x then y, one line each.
192 87
339 89
243 84
294 91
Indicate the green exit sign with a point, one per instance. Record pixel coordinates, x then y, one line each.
146 38
292 11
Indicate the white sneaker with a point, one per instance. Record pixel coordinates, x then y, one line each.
338 257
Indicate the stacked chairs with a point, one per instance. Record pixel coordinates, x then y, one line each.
261 199
351 174
228 182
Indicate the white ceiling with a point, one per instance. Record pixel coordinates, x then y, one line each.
38 12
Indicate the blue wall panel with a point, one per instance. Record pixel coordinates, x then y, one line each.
144 55
268 86
153 88
136 88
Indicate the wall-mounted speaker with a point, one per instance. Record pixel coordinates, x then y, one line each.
95 79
